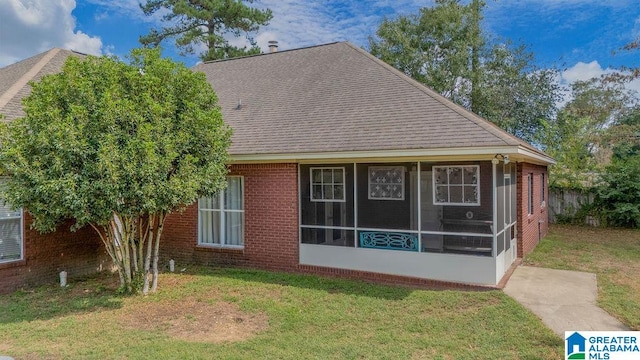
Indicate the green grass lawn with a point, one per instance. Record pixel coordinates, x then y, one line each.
243 314
612 254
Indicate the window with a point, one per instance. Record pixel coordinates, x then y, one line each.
542 186
386 182
327 184
456 185
10 233
221 218
530 193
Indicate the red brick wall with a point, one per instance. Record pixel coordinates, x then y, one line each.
271 223
528 234
46 255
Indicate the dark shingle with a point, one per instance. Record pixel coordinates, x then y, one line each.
18 74
334 98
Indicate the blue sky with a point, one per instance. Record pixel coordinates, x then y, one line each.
577 35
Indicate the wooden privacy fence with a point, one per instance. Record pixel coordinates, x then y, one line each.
565 203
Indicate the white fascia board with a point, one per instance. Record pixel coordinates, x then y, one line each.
375 154
473 153
546 160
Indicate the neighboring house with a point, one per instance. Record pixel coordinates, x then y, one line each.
342 165
27 257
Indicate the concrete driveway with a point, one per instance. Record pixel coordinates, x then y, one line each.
564 300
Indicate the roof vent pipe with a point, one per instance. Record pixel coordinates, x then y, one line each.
273 46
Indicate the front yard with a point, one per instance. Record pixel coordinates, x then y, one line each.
613 254
243 314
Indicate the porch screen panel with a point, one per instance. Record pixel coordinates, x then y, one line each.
387 196
332 210
457 226
326 204
500 203
334 237
514 189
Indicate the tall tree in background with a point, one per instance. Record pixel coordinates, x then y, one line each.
618 191
205 23
599 123
444 48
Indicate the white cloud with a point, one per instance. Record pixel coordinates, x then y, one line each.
635 32
29 27
584 71
297 24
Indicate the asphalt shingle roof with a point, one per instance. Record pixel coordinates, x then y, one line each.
327 98
338 98
14 78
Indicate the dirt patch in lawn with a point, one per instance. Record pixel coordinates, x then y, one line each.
196 321
5 347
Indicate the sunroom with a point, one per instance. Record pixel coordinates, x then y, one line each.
442 220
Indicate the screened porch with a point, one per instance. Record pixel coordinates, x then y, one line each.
452 221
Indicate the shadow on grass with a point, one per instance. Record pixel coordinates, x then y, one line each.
312 282
50 301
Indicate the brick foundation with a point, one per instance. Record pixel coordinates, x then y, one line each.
45 255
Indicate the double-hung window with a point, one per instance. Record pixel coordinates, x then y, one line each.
10 232
221 217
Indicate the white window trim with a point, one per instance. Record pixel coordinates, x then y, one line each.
344 185
402 169
222 213
433 185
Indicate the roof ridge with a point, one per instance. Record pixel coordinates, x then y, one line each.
24 79
478 120
269 53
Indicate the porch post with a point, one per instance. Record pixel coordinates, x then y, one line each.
494 250
355 206
419 205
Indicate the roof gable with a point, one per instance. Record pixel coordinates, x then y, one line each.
14 79
338 98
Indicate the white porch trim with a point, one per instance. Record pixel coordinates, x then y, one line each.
456 153
444 267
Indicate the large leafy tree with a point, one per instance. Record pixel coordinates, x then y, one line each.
117 147
206 24
581 137
445 48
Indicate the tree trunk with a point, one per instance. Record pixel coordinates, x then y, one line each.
147 259
156 250
476 44
125 238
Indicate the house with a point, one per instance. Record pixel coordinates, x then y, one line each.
341 166
26 256
344 166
